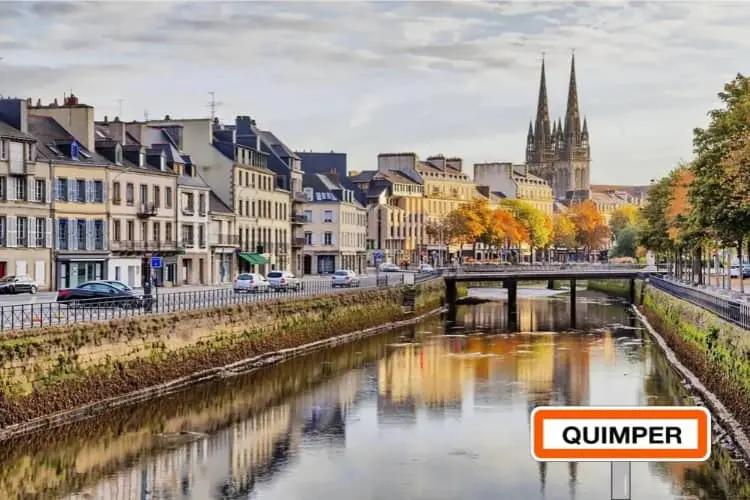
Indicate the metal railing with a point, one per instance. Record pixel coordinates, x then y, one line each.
551 266
138 245
734 311
16 317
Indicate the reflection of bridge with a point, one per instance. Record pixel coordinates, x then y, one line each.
510 278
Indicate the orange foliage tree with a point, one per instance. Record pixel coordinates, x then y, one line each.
591 230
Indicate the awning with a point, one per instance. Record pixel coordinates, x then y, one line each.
253 258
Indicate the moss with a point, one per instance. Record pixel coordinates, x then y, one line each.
618 288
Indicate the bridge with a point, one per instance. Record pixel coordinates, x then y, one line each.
511 276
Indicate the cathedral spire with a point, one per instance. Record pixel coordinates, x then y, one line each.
585 132
542 109
572 115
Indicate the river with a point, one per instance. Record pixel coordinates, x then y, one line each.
439 410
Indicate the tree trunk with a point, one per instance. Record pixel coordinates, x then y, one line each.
740 270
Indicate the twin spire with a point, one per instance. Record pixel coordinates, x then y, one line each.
569 131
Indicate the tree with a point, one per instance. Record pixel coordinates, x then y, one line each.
623 216
537 224
563 231
626 243
503 228
591 230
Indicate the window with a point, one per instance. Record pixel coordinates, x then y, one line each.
327 238
22 230
41 232
156 231
168 197
201 236
99 235
82 235
144 230
168 231
202 204
62 234
188 205
116 231
157 196
187 235
131 230
3 150
144 194
116 193
3 226
129 194
98 192
328 216
21 188
308 216
80 196
40 190
3 187
308 238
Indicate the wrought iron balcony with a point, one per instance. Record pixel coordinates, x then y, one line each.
147 209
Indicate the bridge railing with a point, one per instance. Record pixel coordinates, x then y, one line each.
727 308
569 266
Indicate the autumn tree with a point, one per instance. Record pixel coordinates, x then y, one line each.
504 229
563 231
538 226
622 217
591 230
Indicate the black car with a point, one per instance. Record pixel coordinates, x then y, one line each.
98 294
18 284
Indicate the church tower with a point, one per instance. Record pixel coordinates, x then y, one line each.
572 163
560 153
540 153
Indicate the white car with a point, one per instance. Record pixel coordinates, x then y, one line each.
389 267
250 282
426 268
345 277
283 280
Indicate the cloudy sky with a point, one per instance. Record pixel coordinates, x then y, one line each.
454 78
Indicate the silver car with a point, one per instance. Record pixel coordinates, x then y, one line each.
18 284
345 277
283 280
250 282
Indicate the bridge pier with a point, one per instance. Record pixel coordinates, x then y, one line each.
451 292
572 303
512 286
632 291
550 284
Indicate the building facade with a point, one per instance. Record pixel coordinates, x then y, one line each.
25 208
515 182
560 152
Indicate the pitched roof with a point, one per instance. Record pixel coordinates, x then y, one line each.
13 133
274 143
363 176
51 134
215 204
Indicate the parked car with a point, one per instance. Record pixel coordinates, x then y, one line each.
734 271
98 294
345 277
283 280
18 284
250 282
426 268
389 267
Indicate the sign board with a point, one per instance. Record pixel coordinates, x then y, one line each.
379 255
156 263
408 278
621 434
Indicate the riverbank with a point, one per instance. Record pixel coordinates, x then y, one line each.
60 374
618 288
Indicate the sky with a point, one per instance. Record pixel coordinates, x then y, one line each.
459 79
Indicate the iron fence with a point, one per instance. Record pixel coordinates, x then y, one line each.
735 311
15 317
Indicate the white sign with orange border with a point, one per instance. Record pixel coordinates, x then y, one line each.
621 434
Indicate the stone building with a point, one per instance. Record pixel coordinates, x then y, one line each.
559 152
515 182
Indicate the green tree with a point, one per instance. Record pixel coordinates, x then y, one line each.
537 224
563 231
626 243
622 217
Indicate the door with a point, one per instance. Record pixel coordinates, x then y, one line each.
307 265
39 272
3 269
131 276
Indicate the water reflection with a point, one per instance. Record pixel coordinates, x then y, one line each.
440 410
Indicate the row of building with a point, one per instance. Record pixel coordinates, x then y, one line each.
82 199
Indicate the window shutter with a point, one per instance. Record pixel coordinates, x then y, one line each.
89 192
333 238
105 238
47 190
90 238
10 190
12 234
71 189
30 196
48 236
104 192
57 188
72 234
31 232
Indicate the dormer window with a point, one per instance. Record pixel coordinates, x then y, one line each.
74 150
31 152
141 158
118 154
162 163
308 193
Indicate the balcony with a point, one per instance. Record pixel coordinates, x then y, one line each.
298 242
147 210
225 239
188 242
299 219
143 246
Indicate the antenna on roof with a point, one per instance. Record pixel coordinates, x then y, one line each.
119 107
213 104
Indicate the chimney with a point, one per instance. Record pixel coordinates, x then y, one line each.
456 163
14 112
438 161
76 118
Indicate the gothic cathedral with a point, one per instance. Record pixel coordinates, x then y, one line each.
560 153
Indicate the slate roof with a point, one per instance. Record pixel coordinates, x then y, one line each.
277 145
327 188
50 133
194 181
215 204
363 176
13 133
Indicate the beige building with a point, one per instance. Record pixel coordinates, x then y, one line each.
515 182
25 221
335 228
222 239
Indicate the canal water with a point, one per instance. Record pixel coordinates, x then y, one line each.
439 410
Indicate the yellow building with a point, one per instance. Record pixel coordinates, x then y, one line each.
515 182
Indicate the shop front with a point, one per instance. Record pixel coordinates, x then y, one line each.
251 262
71 271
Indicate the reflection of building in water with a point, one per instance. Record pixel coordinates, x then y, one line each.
572 370
253 444
322 412
422 375
535 368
